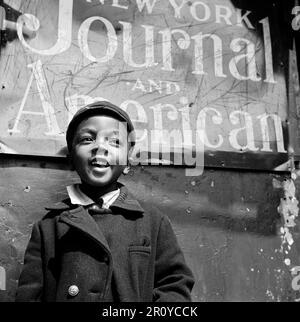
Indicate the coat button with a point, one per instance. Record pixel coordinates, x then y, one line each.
73 290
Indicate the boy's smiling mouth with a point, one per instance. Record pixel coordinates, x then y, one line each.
100 163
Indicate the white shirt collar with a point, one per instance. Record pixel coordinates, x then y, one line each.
77 197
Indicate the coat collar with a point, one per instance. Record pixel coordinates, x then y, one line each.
125 202
78 217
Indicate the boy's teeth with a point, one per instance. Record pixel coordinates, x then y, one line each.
100 164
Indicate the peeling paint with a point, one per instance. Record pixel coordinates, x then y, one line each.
270 295
27 189
286 237
296 280
289 204
289 211
2 279
189 211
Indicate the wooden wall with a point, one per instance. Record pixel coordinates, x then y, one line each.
226 221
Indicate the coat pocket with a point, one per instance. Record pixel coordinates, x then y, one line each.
139 264
139 249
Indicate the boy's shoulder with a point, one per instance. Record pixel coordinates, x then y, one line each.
145 207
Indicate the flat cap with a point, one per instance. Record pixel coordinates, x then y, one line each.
99 108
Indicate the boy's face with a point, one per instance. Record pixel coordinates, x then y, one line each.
100 150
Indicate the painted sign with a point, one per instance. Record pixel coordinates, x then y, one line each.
193 75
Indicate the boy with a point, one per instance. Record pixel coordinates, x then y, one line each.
106 249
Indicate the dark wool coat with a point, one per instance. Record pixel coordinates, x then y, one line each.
131 255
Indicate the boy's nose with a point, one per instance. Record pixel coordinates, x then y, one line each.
100 146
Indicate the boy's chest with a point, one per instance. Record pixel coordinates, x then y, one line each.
83 262
112 233
121 233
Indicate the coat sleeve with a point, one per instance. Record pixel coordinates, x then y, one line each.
30 284
173 278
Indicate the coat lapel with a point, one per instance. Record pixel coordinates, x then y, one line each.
80 219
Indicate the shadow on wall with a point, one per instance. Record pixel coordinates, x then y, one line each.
262 218
280 13
229 200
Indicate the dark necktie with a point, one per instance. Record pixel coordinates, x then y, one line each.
96 208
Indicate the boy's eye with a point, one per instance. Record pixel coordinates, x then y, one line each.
114 141
85 139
